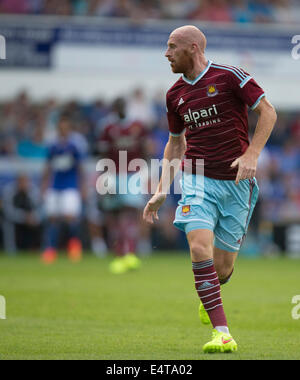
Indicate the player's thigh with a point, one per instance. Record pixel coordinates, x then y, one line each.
197 206
201 244
71 203
52 204
235 215
197 215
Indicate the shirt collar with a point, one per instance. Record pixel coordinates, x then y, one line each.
201 75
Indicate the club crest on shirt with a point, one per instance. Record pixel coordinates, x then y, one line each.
185 210
212 90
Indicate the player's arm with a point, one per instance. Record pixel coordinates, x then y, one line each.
173 154
247 163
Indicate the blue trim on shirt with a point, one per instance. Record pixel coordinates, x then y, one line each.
245 81
177 134
226 68
258 101
192 82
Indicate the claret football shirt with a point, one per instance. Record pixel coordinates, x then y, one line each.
123 135
212 111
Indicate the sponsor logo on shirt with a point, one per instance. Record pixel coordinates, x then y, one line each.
198 116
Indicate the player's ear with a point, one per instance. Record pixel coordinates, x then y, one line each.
193 48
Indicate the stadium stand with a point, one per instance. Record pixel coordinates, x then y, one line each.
239 11
27 127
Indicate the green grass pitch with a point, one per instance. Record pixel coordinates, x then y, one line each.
81 311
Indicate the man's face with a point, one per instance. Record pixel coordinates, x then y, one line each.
64 128
178 54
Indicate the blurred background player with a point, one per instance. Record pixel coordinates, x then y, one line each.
123 211
63 191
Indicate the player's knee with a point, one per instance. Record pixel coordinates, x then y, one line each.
200 251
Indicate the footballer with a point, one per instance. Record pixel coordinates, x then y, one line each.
207 111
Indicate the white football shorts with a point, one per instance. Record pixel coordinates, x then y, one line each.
63 203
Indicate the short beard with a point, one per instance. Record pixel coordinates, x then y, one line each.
186 65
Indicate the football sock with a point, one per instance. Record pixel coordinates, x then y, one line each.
223 329
74 229
129 232
208 288
51 235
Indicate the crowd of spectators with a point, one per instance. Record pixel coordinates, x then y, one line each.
239 11
27 127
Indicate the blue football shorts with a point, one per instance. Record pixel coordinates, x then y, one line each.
217 205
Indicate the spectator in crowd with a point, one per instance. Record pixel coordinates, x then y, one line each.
80 7
289 157
241 11
284 12
111 8
212 10
34 146
22 215
177 9
14 6
289 209
262 11
58 7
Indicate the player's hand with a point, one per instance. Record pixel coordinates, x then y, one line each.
246 164
152 207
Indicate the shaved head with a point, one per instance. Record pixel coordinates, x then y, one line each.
186 47
190 34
